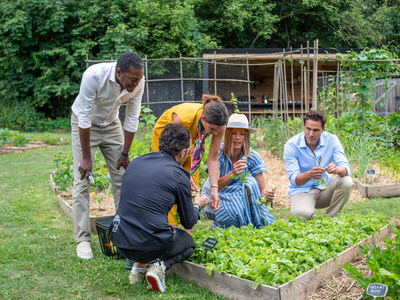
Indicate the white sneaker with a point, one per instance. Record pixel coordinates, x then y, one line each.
83 250
155 277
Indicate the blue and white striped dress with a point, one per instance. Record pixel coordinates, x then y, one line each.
234 208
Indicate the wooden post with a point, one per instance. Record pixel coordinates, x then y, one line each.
342 94
248 85
281 95
292 88
308 77
181 68
386 113
275 91
87 60
286 103
147 83
305 90
324 89
301 81
215 73
315 76
337 95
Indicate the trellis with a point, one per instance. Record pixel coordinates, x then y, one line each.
170 81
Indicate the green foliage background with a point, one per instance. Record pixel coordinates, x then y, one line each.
44 42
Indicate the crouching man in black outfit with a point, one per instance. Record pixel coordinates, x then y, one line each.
151 185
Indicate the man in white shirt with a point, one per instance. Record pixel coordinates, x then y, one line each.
95 124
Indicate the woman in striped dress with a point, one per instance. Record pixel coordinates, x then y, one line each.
239 197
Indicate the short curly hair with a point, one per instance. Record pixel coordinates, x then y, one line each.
174 138
129 59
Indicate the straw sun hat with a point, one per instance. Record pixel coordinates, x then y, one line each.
239 121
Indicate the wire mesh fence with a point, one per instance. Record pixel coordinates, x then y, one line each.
283 84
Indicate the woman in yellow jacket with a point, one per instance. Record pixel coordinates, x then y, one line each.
208 118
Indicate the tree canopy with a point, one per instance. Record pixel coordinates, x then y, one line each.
44 42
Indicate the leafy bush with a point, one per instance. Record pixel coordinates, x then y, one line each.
64 174
14 138
283 250
377 143
18 116
50 139
142 142
44 44
58 124
384 264
389 163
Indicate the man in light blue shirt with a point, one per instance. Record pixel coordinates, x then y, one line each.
310 158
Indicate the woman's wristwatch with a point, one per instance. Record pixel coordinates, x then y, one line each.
198 205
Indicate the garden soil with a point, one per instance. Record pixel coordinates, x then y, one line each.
102 204
275 175
339 286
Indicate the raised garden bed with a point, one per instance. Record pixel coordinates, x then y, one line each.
376 191
304 285
65 203
378 183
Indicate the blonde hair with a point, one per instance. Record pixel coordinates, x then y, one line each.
227 149
214 111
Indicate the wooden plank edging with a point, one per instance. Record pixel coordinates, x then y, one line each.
307 283
52 183
226 285
234 287
384 191
67 208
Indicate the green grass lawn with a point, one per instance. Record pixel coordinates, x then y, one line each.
37 250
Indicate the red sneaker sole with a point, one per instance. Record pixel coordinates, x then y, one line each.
154 283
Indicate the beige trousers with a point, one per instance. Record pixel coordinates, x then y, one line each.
110 141
335 196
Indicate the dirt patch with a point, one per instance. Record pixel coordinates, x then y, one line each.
100 203
8 148
275 175
382 177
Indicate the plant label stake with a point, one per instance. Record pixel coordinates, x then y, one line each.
209 243
372 173
377 290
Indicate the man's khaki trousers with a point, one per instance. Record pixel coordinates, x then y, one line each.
335 196
110 142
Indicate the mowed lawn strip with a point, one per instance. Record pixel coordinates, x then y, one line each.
37 252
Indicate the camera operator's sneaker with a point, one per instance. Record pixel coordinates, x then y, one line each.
83 250
133 278
155 276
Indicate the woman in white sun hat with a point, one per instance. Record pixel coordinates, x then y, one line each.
241 184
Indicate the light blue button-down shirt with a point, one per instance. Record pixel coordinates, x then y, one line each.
300 159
